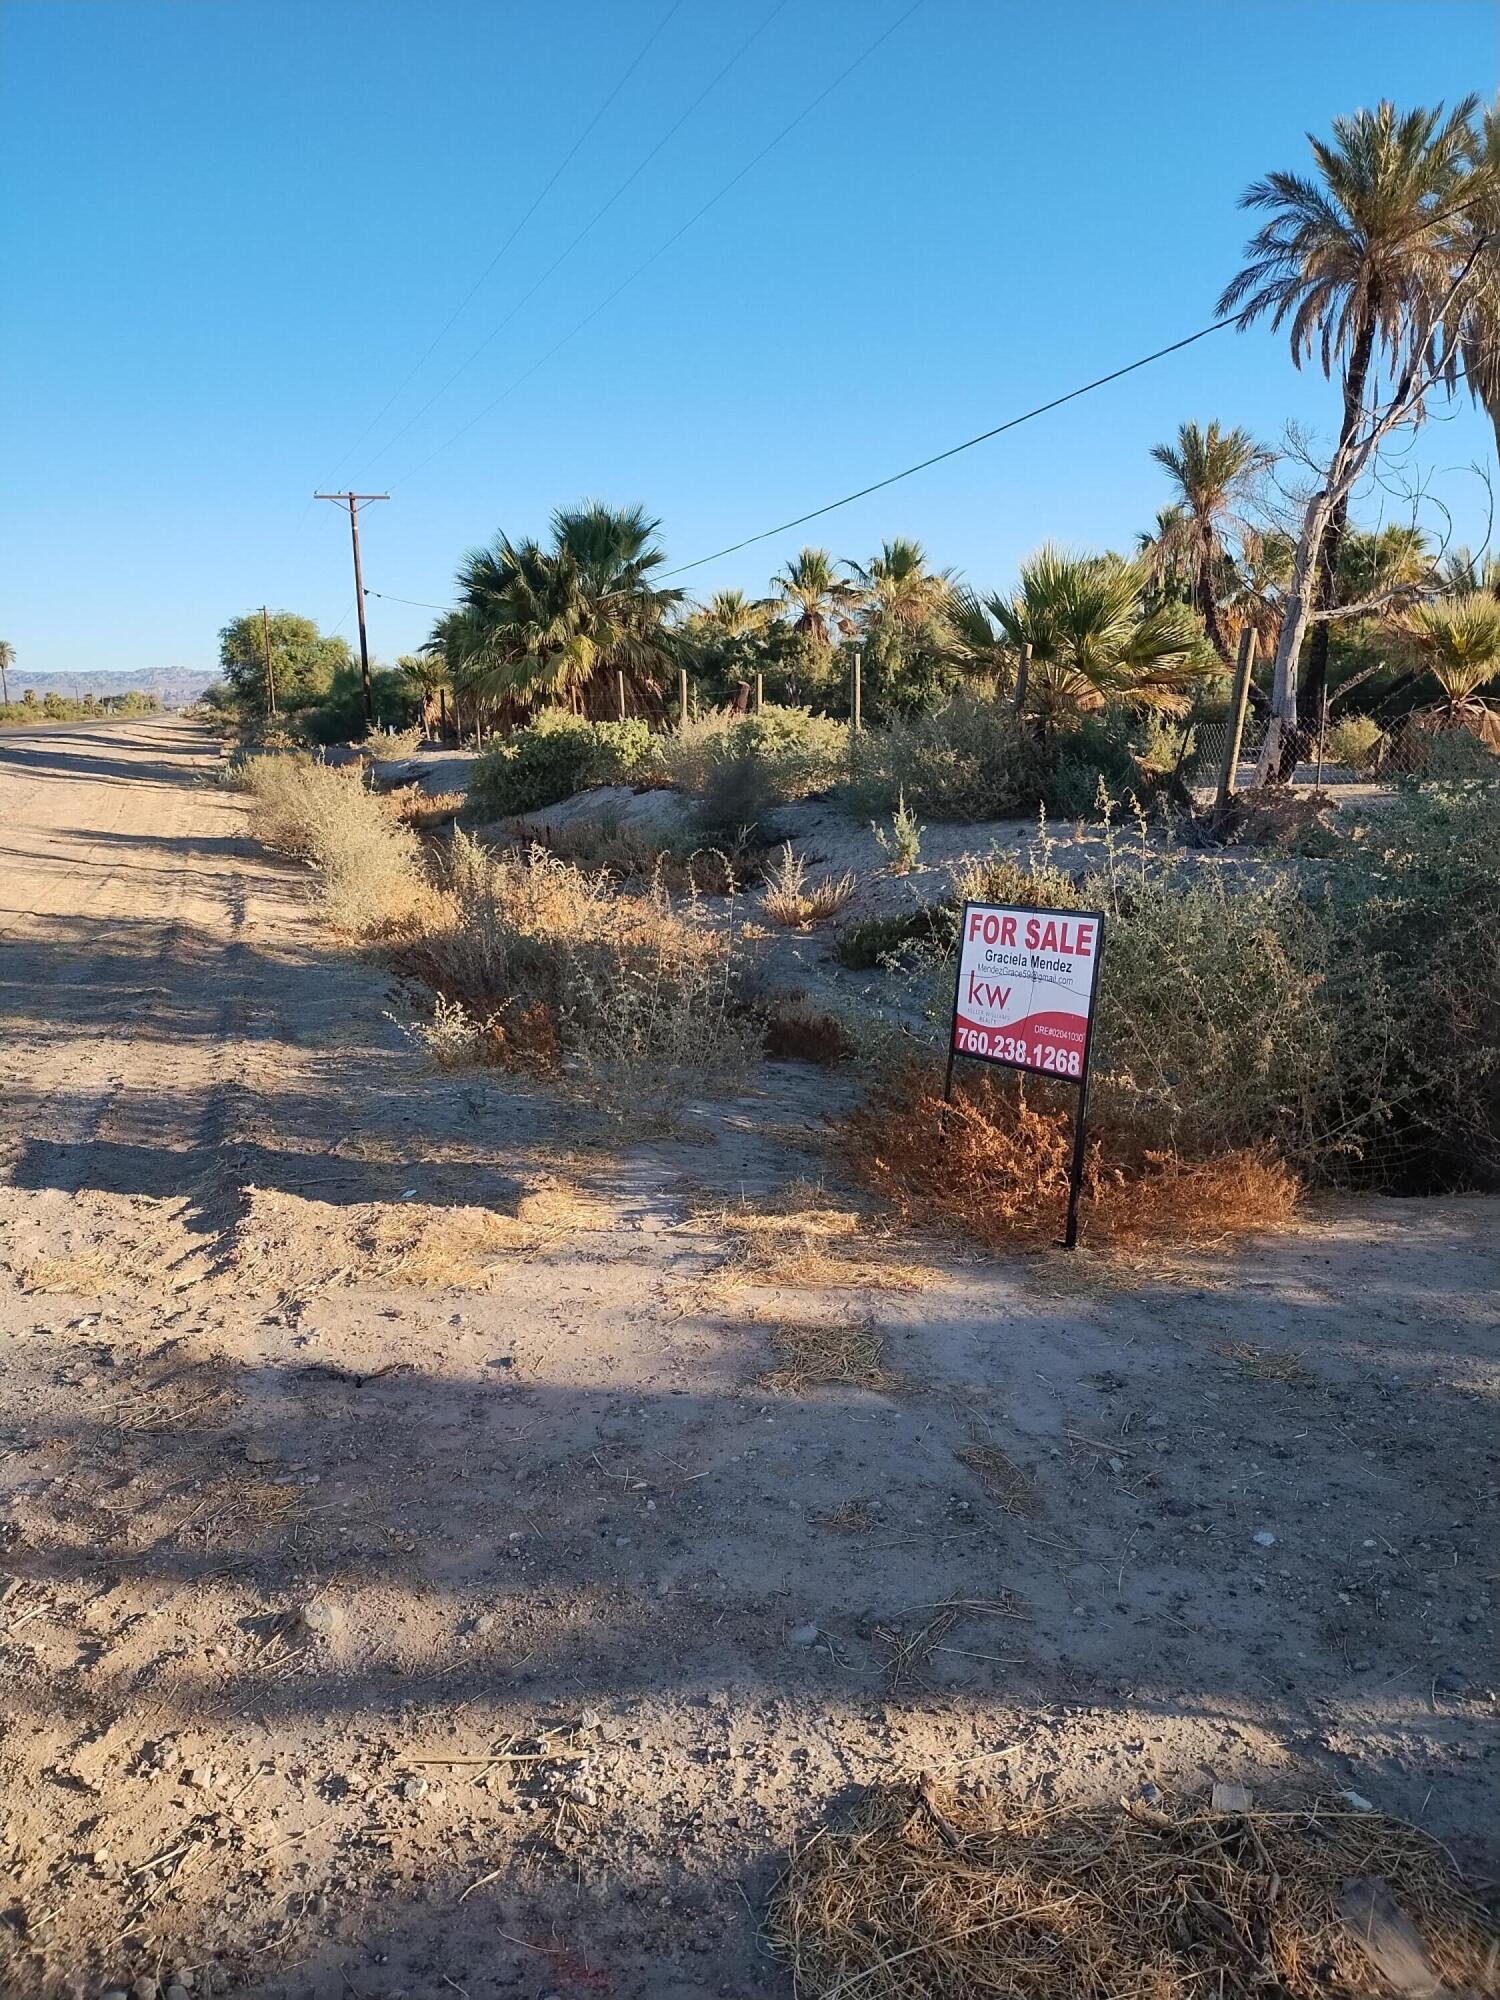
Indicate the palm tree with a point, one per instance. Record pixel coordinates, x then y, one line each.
902 616
978 647
557 624
1093 641
7 661
1476 339
731 615
1213 470
1462 573
1394 562
1356 261
1256 596
1458 641
815 597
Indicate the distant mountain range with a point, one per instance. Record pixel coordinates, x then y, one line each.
174 687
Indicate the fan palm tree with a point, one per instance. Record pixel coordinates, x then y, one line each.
1256 596
7 661
1213 470
556 624
1476 338
1463 574
1393 562
815 597
897 590
1355 262
979 647
1093 641
1458 641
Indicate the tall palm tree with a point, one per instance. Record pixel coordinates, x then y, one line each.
815 596
1257 589
730 614
557 623
1462 573
1393 562
7 661
1476 339
1356 261
902 617
1213 470
1093 640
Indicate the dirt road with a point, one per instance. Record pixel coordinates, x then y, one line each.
425 1568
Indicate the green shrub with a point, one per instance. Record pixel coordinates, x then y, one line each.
1354 741
1347 1020
968 760
554 757
792 751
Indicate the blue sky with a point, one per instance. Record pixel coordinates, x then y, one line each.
234 225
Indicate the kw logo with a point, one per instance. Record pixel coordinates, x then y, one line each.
987 992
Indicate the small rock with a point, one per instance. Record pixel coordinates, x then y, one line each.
802 1635
177 1993
413 1790
114 1993
1357 1799
1151 1793
485 1622
1264 1539
1230 1799
589 1719
143 1988
320 1619
261 1454
184 1976
1451 1682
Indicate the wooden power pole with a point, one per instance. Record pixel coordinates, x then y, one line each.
354 501
265 633
1244 667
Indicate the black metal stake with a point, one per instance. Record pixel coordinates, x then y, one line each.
1075 1179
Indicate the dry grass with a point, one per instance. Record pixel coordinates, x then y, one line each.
850 1517
424 811
995 1165
1261 1365
798 1238
370 876
844 1354
631 997
910 1646
84 1272
794 902
1003 1480
927 1898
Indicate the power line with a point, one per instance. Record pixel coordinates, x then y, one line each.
597 217
417 603
557 174
1144 361
662 249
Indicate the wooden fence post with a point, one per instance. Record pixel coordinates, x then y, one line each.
682 698
1244 666
620 689
856 689
1023 671
760 692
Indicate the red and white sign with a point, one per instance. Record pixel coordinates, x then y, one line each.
1026 981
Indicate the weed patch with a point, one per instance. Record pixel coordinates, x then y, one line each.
843 1354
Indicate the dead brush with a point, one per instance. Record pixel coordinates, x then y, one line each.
423 811
842 1354
371 881
1003 1480
798 1030
795 903
926 1896
797 1237
1261 1365
995 1165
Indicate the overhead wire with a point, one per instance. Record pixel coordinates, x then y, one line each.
594 220
557 173
662 249
983 437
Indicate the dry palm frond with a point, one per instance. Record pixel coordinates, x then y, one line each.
921 1901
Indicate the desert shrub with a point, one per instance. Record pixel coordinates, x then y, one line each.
1345 1021
968 760
424 810
1354 740
741 767
902 846
554 757
796 1029
635 994
995 1164
632 853
370 875
794 901
875 941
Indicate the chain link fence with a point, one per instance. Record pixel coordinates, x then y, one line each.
1353 750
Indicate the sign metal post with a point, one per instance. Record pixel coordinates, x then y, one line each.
1023 997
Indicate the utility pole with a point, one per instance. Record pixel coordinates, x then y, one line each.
354 501
1244 667
265 631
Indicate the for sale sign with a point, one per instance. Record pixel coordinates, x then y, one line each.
1026 983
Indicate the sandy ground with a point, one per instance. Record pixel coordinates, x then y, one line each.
416 1579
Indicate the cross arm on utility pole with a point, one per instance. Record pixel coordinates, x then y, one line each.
354 501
